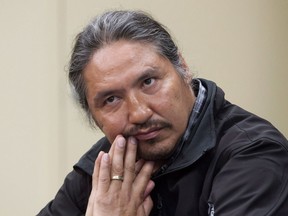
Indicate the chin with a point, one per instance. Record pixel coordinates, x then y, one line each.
154 151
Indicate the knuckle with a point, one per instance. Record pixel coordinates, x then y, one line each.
104 180
104 201
117 169
130 169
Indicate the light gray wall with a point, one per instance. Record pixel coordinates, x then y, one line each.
241 45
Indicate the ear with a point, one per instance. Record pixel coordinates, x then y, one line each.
187 74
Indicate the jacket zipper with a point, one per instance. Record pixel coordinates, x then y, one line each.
159 204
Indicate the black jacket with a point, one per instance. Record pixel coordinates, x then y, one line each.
234 163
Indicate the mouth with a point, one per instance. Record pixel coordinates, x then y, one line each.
147 135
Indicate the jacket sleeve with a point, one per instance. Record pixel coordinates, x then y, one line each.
253 181
72 197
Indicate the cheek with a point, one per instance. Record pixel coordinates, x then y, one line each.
112 125
166 105
173 105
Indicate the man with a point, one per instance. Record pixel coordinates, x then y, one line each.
173 145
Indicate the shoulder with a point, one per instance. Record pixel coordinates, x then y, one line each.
250 161
244 135
71 198
239 129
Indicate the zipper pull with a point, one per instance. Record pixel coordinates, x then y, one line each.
159 202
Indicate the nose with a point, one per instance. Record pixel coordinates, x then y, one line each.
138 109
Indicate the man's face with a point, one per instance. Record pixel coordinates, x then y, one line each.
134 91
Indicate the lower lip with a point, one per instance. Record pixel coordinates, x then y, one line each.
147 136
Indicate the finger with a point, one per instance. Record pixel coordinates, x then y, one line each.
95 175
142 179
111 150
145 207
139 164
149 188
118 161
148 205
129 162
118 155
104 174
89 209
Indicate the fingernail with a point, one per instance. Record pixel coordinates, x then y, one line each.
121 142
133 140
105 157
100 154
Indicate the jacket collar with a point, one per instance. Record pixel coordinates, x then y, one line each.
202 136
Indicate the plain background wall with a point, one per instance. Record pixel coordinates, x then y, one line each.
241 45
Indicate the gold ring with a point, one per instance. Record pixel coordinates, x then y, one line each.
117 177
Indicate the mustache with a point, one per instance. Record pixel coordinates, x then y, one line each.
153 123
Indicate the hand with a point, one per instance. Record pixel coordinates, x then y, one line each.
129 197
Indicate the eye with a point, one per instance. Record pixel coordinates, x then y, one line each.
149 81
110 100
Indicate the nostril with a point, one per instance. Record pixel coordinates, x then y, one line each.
140 115
138 109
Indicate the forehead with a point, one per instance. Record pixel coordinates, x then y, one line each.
123 57
122 63
111 56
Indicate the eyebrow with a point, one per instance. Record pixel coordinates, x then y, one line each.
147 74
105 93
